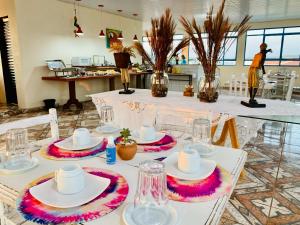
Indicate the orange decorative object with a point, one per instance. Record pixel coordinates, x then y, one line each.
126 152
189 91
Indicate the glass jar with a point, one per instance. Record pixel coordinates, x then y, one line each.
208 89
159 84
151 195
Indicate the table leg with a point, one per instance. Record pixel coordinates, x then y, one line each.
72 97
229 128
144 81
138 81
190 80
111 84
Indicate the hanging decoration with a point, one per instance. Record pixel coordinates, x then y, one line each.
120 36
78 31
101 34
135 38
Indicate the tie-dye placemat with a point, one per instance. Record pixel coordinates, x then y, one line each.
114 195
216 185
164 144
55 153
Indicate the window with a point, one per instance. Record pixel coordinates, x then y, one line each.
228 56
282 41
147 47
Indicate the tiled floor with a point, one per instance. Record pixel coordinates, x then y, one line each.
268 193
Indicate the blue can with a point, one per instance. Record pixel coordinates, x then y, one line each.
111 152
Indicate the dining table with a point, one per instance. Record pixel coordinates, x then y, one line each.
196 213
134 110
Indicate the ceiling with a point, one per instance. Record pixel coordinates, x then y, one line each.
261 10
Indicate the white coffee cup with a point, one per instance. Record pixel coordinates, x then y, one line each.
147 133
70 179
189 161
81 137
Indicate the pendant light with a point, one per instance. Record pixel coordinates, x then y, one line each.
120 36
101 34
78 31
135 38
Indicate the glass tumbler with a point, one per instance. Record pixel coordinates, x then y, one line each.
17 151
106 115
201 132
151 198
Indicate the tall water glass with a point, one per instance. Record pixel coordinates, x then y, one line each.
17 151
201 131
106 115
150 198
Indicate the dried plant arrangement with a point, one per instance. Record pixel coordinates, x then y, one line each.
160 38
216 29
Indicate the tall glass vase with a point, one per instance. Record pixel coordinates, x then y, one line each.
209 89
159 84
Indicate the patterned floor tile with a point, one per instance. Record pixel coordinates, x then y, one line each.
268 193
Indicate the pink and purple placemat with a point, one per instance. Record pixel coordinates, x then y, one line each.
216 185
55 153
164 144
114 195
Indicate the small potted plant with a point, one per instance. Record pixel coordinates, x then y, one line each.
127 147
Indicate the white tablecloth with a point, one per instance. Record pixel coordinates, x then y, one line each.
141 107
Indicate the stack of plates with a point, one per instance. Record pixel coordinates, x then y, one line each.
48 194
206 168
67 144
158 136
20 167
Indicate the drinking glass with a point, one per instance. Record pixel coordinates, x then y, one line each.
106 115
17 151
201 131
150 198
176 124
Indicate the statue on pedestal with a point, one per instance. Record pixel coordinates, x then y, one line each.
253 76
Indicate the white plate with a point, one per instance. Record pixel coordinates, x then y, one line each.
67 144
130 214
107 129
203 150
34 162
207 167
47 192
158 137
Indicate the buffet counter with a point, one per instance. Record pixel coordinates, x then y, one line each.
140 83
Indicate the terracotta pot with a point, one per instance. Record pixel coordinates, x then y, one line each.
126 152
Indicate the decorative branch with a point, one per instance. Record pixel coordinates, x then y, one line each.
217 29
160 38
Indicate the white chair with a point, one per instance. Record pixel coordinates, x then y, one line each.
268 86
6 193
289 93
30 122
240 82
232 85
243 85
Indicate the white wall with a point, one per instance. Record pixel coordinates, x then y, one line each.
45 29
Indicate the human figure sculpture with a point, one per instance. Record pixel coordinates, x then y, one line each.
253 76
123 63
125 79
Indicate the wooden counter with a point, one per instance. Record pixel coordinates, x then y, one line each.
140 83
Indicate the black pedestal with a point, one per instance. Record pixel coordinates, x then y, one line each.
253 105
126 92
